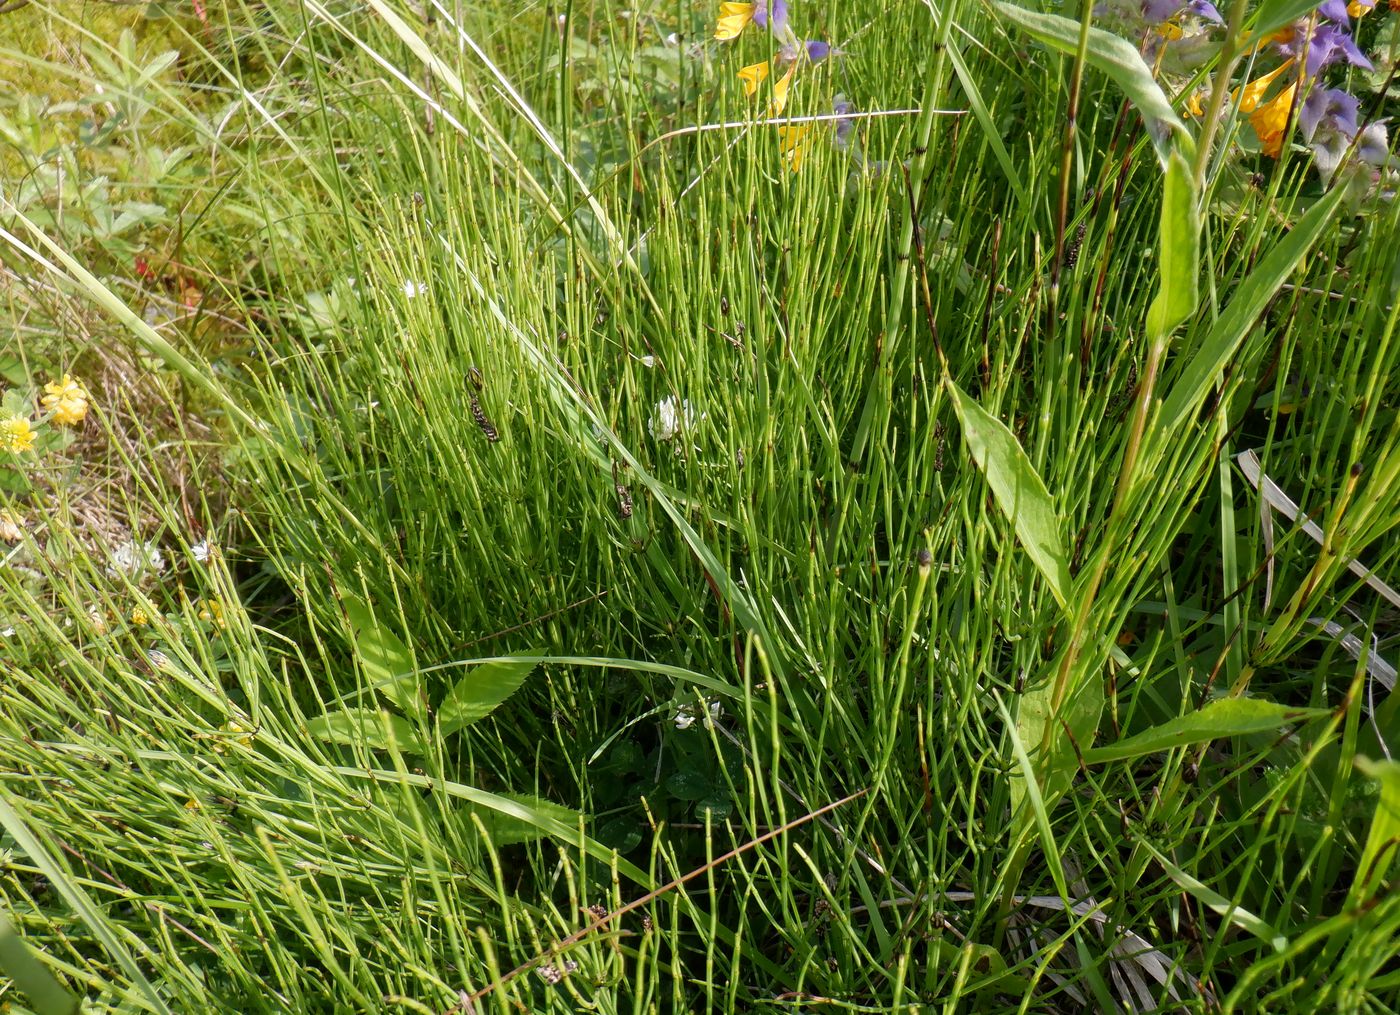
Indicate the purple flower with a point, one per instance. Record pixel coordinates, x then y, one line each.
1328 111
1205 10
843 108
817 51
1328 45
1373 146
771 10
1334 10
1154 12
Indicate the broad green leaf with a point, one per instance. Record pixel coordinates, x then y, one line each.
1271 15
386 661
367 727
543 820
477 694
1218 903
1179 241
1225 717
1018 489
1116 57
1383 841
510 829
1057 765
46 995
1245 306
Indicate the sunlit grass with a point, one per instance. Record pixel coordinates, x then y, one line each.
456 324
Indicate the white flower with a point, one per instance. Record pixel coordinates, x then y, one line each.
673 39
134 558
8 632
646 361
670 418
412 288
688 715
200 552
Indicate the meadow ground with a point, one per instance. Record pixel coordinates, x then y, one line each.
563 506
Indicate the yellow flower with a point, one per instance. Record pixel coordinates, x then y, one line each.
192 804
753 75
139 617
1249 96
1356 8
793 141
1270 120
16 434
780 93
211 611
67 400
733 19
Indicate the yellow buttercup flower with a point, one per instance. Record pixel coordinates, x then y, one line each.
754 75
733 19
16 435
67 400
139 617
1270 120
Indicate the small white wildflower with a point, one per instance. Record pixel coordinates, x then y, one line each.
673 39
670 418
8 632
200 552
413 288
646 361
133 558
688 715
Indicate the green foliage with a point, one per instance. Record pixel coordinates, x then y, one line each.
1227 717
596 495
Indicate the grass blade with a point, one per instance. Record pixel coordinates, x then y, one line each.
1248 302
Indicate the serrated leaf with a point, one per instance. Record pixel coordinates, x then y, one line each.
478 693
1179 242
1225 717
366 727
1117 58
1018 489
386 661
1239 315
